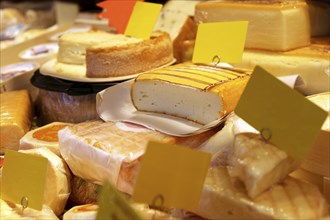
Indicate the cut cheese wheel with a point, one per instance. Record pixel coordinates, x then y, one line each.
272 25
57 187
15 120
198 93
45 136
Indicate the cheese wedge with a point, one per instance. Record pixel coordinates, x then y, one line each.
45 136
198 93
57 187
106 151
15 120
273 25
225 198
257 163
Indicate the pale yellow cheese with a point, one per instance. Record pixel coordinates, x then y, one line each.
278 26
15 118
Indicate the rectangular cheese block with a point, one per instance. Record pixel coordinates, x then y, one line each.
97 151
198 93
274 25
226 198
311 63
15 118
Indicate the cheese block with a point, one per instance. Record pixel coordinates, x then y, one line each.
57 187
9 210
106 151
273 25
45 136
111 59
195 92
311 63
72 46
225 198
317 160
14 121
258 164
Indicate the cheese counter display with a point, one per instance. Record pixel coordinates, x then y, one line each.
93 105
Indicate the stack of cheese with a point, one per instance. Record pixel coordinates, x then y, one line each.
278 37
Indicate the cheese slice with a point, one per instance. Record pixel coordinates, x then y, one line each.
277 25
199 93
15 120
45 136
225 198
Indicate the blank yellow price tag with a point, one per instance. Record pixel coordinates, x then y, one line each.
24 176
112 205
223 39
171 176
143 20
281 114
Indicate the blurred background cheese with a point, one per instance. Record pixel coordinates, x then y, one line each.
15 120
45 136
319 13
276 26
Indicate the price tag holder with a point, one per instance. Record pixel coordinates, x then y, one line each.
24 179
171 176
221 40
283 116
117 12
112 205
143 20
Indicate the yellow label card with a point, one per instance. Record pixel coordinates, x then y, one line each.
112 205
143 20
223 39
281 114
24 175
171 176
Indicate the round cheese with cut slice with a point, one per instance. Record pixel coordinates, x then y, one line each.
45 136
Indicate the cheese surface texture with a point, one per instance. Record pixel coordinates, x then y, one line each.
278 26
14 121
194 92
72 46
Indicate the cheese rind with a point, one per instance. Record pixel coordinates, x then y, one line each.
194 92
272 26
14 121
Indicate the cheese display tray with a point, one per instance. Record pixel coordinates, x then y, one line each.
78 73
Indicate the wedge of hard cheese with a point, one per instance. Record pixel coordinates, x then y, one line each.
273 25
258 164
15 120
195 92
225 198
